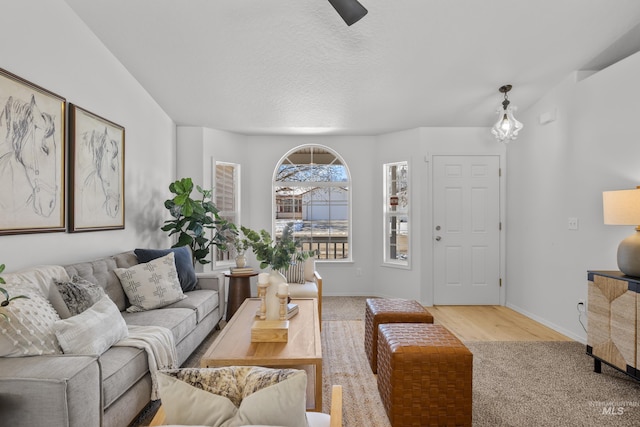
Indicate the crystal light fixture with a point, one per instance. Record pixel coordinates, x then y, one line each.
507 127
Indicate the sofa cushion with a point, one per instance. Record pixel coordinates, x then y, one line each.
79 294
43 277
183 260
101 272
28 329
122 367
93 331
202 301
151 285
181 321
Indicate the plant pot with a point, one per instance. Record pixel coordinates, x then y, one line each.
241 260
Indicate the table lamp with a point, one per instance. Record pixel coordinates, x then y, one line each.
622 207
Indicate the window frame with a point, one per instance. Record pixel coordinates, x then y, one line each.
388 213
329 184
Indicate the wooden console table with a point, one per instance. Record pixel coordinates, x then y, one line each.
612 310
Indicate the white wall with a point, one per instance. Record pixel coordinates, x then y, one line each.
559 170
47 44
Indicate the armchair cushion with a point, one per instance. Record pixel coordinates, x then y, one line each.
234 396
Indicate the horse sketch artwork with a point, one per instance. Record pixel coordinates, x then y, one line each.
97 172
31 158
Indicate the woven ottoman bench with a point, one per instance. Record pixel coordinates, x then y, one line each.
389 310
424 375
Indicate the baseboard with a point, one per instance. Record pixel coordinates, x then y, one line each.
563 331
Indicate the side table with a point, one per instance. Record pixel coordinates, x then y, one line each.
239 290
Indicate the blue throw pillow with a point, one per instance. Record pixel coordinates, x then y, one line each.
183 260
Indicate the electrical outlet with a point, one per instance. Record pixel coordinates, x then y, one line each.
581 306
573 223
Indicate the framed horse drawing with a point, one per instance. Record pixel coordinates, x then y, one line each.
96 172
32 157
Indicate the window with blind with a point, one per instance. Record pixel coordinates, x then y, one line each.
396 214
311 190
227 199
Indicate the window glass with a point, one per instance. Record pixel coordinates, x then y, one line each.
396 213
311 191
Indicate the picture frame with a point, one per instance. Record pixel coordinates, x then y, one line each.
32 157
96 173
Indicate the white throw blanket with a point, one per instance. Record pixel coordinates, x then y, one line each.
157 341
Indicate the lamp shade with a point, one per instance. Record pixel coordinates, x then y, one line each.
349 10
621 207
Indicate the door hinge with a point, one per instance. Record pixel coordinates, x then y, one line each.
499 171
500 226
501 282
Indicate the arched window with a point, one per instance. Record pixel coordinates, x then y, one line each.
311 190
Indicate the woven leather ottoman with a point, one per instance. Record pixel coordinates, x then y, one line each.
388 310
424 375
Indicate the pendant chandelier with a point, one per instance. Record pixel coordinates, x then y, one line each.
507 127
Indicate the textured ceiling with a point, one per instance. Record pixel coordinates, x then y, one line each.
294 67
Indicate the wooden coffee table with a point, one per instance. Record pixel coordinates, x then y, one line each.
233 347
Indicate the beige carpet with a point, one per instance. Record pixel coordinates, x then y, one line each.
515 384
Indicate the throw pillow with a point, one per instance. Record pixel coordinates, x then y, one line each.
295 272
234 396
93 331
151 285
184 263
28 329
79 294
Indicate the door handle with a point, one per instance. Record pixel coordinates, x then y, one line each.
438 238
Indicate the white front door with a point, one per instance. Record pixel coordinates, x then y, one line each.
466 221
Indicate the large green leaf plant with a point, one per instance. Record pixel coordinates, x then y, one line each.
196 221
6 298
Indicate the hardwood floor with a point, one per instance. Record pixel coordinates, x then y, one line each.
491 323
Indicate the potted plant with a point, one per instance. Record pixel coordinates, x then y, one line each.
278 255
195 221
7 299
275 254
240 245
